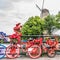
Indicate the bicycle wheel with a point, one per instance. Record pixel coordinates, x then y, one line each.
12 51
34 51
2 51
51 53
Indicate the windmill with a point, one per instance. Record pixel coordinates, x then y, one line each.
44 12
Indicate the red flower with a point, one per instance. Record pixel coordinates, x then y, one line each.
18 24
17 35
13 36
17 27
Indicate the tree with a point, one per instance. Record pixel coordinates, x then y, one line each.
52 21
49 23
34 26
57 19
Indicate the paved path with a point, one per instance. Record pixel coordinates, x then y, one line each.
57 57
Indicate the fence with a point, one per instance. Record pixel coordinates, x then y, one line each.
26 37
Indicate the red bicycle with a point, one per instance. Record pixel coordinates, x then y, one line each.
35 50
51 52
12 51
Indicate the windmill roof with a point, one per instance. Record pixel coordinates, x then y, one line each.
45 10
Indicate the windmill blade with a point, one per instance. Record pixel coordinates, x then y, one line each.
42 4
38 7
42 9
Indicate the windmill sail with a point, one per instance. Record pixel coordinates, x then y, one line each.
38 7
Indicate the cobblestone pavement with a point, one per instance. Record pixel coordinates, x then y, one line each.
57 57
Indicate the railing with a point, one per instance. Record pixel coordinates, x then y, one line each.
37 36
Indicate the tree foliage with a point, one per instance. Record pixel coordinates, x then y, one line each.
52 21
49 23
34 26
57 19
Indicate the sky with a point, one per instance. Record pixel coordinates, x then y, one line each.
14 11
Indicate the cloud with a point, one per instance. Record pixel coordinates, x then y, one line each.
2 14
14 11
22 0
5 5
15 0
